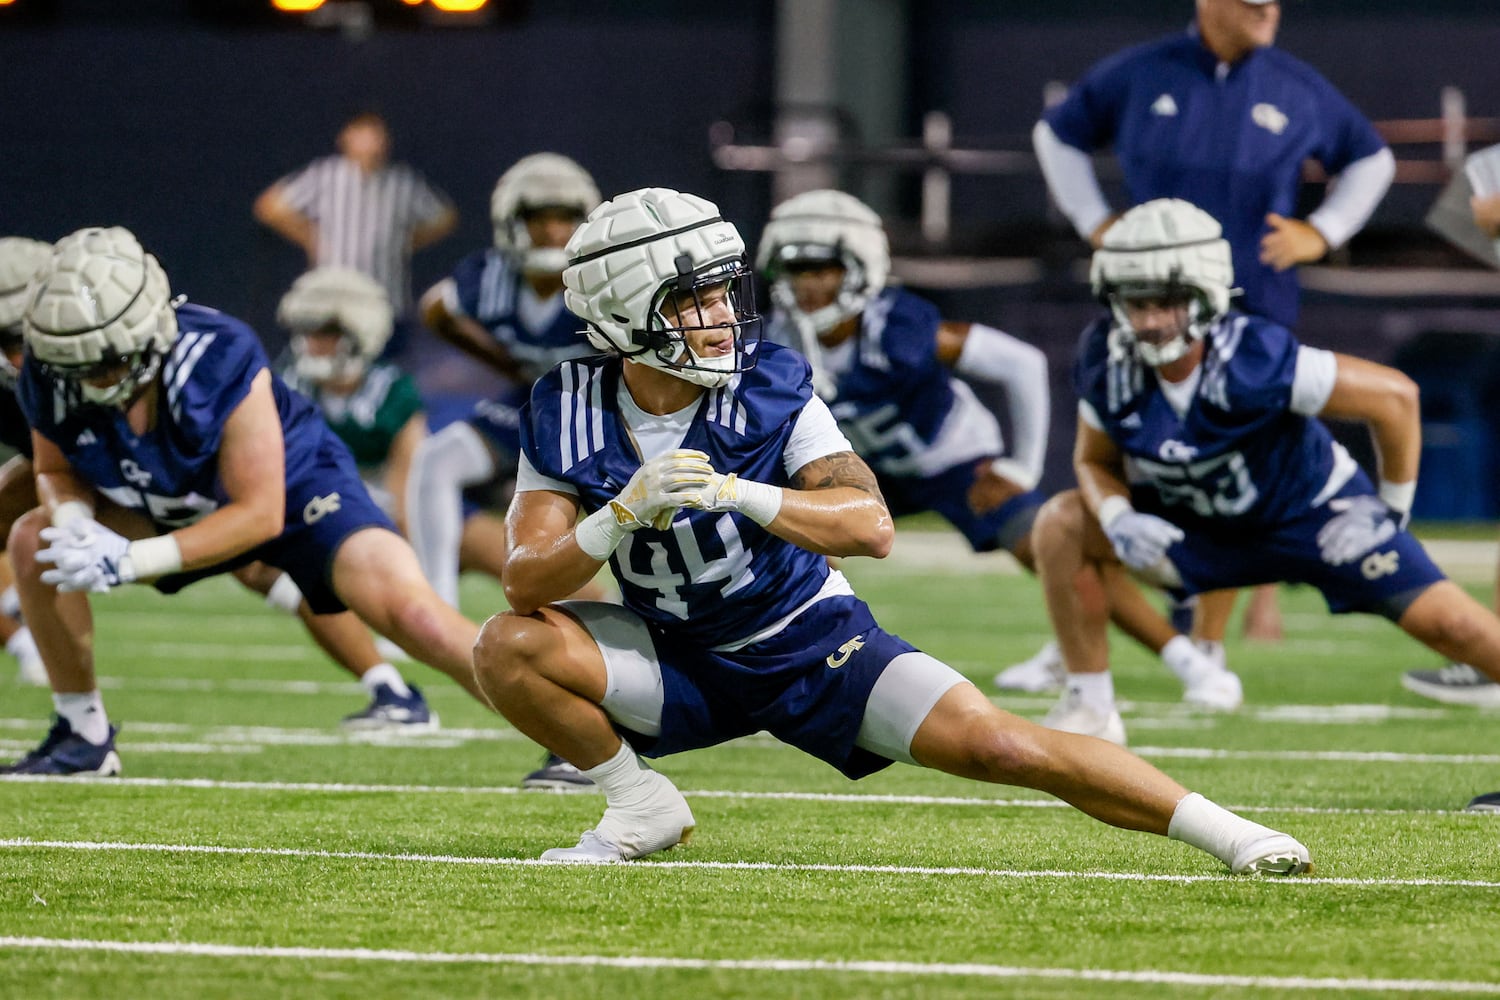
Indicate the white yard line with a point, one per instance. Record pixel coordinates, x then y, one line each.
919 969
27 843
848 798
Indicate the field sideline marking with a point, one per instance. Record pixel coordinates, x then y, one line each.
1154 976
855 798
22 843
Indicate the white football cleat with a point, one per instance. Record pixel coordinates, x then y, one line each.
1071 715
1042 674
1275 854
30 668
1218 691
625 836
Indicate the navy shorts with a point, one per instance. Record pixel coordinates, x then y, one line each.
947 493
808 686
324 506
1383 581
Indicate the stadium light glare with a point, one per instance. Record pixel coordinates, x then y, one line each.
297 6
459 6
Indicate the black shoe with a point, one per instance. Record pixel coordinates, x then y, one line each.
1484 803
1455 684
65 752
558 775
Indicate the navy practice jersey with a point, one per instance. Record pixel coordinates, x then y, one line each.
710 578
489 289
15 432
1239 456
1233 146
900 407
171 473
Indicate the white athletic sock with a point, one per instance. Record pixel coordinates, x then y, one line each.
1097 691
620 776
85 713
384 673
1214 651
1212 828
1186 660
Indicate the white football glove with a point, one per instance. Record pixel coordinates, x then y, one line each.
1141 540
760 502
659 487
85 556
1362 524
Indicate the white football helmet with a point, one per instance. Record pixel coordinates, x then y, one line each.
101 302
343 300
20 259
635 250
822 227
1159 249
541 180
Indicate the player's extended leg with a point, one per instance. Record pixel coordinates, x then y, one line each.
965 734
546 673
376 574
347 641
1445 618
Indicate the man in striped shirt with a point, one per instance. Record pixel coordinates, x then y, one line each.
358 210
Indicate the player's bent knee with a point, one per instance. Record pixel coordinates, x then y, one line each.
25 541
1059 523
510 647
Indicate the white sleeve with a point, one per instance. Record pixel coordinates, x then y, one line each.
814 435
997 357
1071 179
448 295
1352 197
444 464
527 478
1312 383
1089 415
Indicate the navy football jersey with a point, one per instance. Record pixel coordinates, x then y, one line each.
710 578
490 289
1239 455
171 472
1232 145
901 408
15 432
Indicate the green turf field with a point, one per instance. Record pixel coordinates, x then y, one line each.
254 850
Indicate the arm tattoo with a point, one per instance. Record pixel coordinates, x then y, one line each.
843 468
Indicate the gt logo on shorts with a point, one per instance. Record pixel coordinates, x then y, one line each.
320 507
1379 564
848 649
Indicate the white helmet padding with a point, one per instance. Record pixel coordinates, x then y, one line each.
541 180
1159 248
825 226
20 259
341 299
99 302
635 250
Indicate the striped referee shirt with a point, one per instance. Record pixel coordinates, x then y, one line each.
365 221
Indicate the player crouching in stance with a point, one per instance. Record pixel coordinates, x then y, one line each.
1202 465
166 451
715 483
